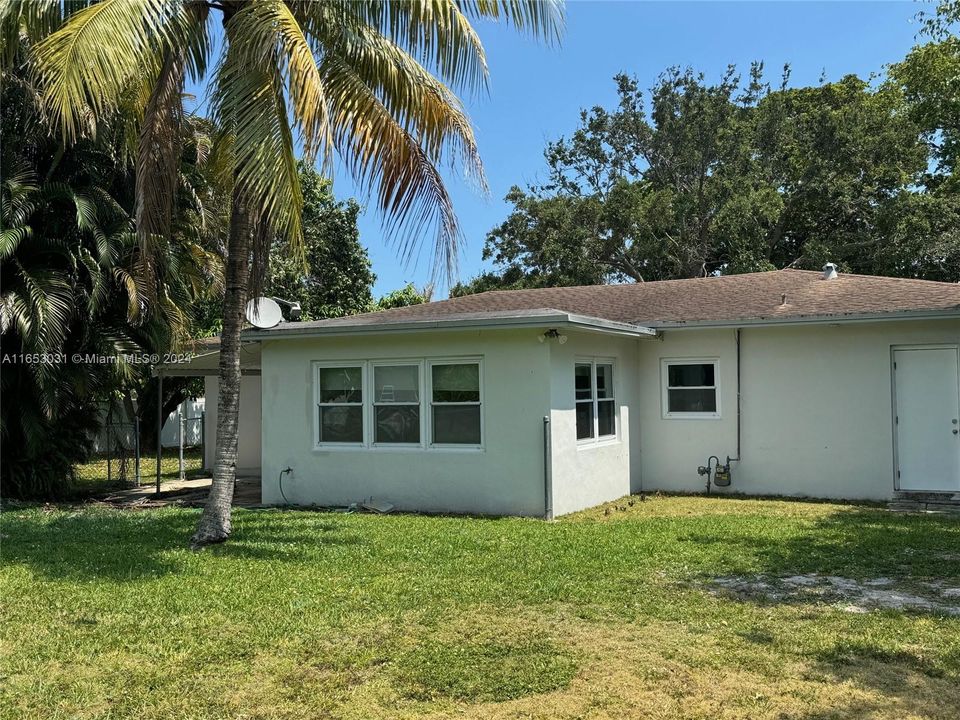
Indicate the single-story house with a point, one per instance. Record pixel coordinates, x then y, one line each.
544 402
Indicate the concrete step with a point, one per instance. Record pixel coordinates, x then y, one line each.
927 496
948 503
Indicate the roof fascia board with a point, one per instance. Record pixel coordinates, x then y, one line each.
810 320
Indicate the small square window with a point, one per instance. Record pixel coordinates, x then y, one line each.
690 388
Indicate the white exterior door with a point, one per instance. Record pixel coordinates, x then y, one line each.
927 421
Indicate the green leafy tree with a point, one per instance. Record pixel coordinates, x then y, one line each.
405 296
338 276
929 77
741 177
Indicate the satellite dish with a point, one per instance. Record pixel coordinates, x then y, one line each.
262 312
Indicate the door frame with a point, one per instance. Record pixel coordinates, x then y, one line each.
893 394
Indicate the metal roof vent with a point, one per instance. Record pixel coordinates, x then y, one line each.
829 271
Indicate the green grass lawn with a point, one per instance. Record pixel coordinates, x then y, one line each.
107 614
91 477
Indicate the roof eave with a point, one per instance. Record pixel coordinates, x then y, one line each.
502 322
939 314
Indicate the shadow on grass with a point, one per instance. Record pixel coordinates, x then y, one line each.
123 545
915 687
855 543
875 652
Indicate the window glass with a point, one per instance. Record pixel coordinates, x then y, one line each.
582 381
397 424
456 383
694 375
456 424
341 384
340 394
341 423
584 420
396 384
692 400
396 400
691 388
391 410
604 382
606 418
595 405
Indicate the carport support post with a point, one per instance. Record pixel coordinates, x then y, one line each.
136 440
159 426
183 431
109 444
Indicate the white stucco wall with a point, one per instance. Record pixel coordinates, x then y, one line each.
816 404
590 472
248 442
506 476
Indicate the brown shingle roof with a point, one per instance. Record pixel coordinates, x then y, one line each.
775 295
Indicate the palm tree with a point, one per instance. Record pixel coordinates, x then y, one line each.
373 82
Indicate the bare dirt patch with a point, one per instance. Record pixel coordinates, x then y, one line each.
856 596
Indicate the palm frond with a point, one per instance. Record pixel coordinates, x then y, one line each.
542 19
40 302
271 29
435 32
158 153
421 104
32 20
160 141
383 155
249 104
89 60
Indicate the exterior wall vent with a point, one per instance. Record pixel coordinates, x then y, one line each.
829 271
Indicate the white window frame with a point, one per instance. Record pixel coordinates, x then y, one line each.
428 397
408 362
368 405
665 365
598 439
317 367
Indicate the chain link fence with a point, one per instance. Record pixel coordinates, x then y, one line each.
118 461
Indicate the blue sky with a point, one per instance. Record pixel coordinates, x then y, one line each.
536 92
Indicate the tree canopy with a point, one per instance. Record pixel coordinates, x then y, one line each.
695 178
337 278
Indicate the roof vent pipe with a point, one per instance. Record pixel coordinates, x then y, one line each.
829 271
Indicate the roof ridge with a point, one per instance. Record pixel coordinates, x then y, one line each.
641 283
728 277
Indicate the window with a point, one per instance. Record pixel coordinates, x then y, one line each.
596 406
455 403
340 404
396 404
690 389
384 404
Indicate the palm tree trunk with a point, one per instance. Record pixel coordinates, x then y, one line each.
215 524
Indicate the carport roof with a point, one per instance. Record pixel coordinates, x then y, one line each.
201 358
